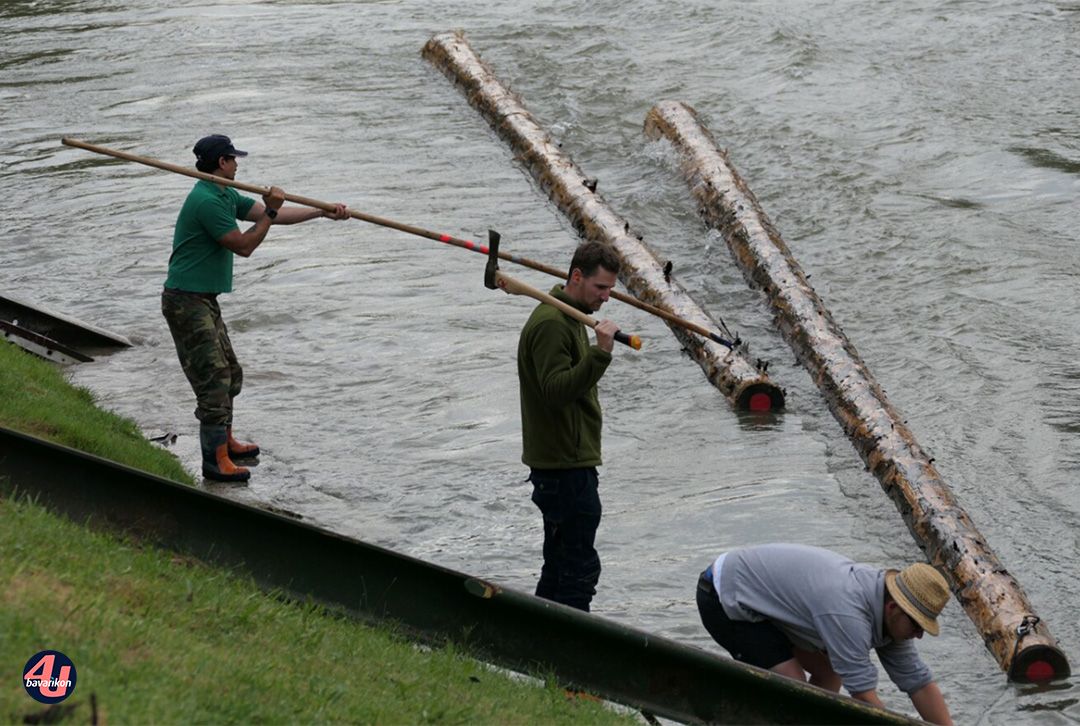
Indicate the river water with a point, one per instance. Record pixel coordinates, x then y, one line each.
922 160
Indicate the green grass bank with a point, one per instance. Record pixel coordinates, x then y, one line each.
161 638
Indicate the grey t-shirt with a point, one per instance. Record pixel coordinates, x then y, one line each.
822 601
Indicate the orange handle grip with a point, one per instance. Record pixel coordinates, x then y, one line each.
632 340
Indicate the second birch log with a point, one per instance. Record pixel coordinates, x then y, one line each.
989 594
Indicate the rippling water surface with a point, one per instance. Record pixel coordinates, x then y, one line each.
921 159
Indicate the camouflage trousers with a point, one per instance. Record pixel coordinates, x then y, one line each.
205 352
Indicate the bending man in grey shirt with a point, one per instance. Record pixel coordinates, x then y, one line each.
793 608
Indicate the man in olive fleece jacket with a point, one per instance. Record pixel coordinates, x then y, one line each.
560 424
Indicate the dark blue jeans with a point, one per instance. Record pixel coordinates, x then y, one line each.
570 503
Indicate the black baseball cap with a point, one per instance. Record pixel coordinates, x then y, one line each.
211 148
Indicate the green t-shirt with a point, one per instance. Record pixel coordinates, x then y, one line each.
199 263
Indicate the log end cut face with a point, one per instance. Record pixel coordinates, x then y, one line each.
760 397
1039 664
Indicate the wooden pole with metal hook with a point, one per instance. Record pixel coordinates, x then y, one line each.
401 227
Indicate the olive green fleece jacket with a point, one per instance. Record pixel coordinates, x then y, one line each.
557 375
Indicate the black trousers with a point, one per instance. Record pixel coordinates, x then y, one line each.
569 499
757 643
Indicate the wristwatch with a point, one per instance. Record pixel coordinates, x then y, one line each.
271 213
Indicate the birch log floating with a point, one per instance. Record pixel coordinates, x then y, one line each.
992 597
741 382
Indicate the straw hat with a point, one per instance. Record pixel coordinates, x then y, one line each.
921 592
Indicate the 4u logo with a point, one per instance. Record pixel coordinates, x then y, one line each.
49 676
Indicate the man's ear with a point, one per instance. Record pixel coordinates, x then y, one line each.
575 276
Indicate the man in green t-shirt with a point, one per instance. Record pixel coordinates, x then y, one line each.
560 423
200 268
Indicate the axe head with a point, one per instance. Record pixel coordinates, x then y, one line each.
493 259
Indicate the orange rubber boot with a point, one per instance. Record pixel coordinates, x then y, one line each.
216 463
238 449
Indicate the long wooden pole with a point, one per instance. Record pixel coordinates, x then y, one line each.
744 384
989 594
401 227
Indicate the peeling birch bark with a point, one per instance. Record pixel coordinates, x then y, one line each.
728 370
